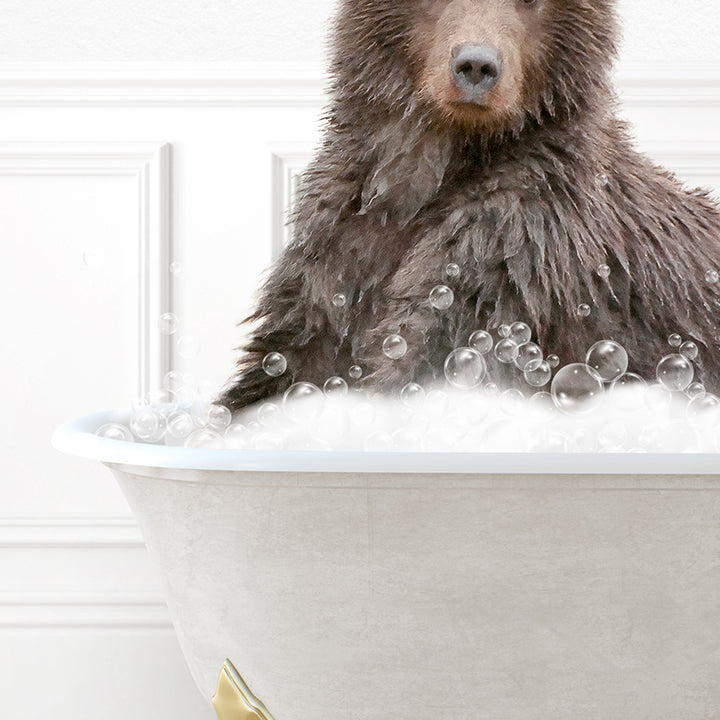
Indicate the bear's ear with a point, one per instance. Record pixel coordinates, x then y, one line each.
408 169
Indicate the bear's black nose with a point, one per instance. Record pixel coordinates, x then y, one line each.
475 68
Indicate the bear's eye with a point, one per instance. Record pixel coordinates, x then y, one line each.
527 2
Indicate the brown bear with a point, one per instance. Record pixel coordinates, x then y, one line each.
482 134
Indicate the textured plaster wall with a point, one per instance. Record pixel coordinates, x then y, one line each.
661 32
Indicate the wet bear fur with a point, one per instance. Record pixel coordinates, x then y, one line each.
528 194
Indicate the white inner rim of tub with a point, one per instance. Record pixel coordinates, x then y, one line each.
77 437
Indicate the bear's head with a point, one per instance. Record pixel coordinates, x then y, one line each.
477 65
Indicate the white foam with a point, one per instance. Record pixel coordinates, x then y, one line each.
482 421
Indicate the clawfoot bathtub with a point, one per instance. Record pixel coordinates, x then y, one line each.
370 586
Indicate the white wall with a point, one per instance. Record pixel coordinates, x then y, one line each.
250 31
132 134
163 30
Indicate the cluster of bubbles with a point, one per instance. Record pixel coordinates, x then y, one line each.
180 413
187 346
590 406
593 405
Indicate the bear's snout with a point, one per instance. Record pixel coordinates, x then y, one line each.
475 69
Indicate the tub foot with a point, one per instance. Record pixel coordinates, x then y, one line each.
233 700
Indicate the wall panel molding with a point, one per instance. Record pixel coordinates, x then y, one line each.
66 531
161 84
695 163
687 159
96 611
79 545
149 164
288 162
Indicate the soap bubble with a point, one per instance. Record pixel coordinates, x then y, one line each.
452 270
482 341
199 412
412 395
274 364
576 388
179 425
236 436
657 398
712 276
504 331
339 300
539 375
394 347
675 372
114 431
465 368
187 392
529 356
553 361
335 387
512 402
302 402
218 417
355 372
506 351
146 425
689 349
602 179
695 389
205 438
268 414
174 380
168 323
603 271
441 297
163 401
628 391
542 402
584 310
608 359
675 340
188 346
176 269
705 407
520 333
139 403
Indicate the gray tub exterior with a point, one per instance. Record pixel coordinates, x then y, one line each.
370 586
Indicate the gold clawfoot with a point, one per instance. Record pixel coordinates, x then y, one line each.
233 700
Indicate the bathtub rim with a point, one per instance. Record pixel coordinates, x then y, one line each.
77 437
